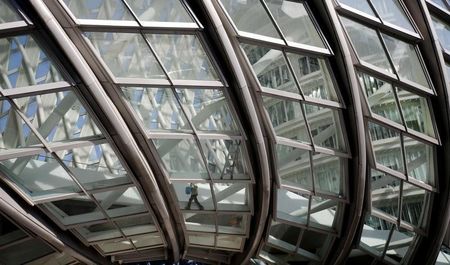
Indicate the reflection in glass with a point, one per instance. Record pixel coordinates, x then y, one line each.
287 119
24 63
375 234
367 44
325 125
294 168
99 9
232 196
159 11
250 16
181 158
322 213
292 207
443 31
386 145
207 109
183 56
270 67
385 191
406 60
391 11
295 22
157 108
416 112
313 76
399 243
414 202
328 173
126 54
419 160
361 5
121 201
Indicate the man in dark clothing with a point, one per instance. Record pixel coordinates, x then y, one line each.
194 193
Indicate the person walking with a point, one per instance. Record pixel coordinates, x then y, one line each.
193 190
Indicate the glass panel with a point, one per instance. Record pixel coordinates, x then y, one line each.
406 60
58 116
322 213
386 145
416 112
157 108
181 158
225 159
207 109
441 3
232 223
201 239
399 244
232 196
315 242
8 13
124 201
76 210
270 66
385 192
229 241
26 251
126 54
23 63
314 76
380 97
147 240
375 234
95 166
367 44
14 133
99 232
40 176
295 22
329 173
419 160
9 232
99 9
134 225
284 236
159 11
250 16
292 207
200 222
194 196
294 166
287 119
443 257
414 202
115 246
361 5
443 32
183 56
391 11
325 125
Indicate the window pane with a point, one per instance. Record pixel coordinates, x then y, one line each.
232 196
135 225
406 60
380 97
159 11
58 116
284 236
329 173
287 119
40 176
95 166
361 5
443 31
183 56
229 241
385 192
367 44
8 13
201 239
148 240
207 109
416 112
375 234
295 22
99 9
270 67
181 158
115 246
414 203
386 146
314 76
391 11
120 202
157 108
99 232
250 16
399 244
25 64
419 160
322 213
292 207
325 125
126 54
294 166
232 223
76 210
9 232
194 196
24 252
441 3
200 222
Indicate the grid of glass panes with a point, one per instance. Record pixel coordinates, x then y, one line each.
299 94
176 93
52 150
19 247
400 129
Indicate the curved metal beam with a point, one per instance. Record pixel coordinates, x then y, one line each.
122 135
